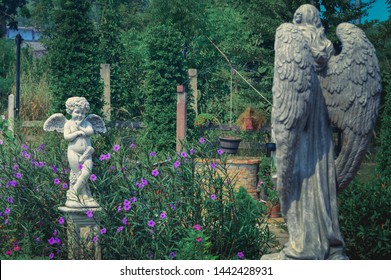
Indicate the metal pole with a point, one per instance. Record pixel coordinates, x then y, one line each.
18 40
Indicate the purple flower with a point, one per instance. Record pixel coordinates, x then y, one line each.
119 229
152 154
126 202
173 207
12 183
124 221
102 157
25 147
220 152
55 232
108 156
155 172
6 221
56 181
16 167
95 239
127 207
172 255
10 200
18 175
52 240
151 223
191 151
116 148
198 239
90 213
176 164
184 154
163 215
240 255
103 231
42 164
133 200
51 256
131 146
119 208
197 227
144 182
54 168
1 142
93 177
80 166
27 156
202 140
213 197
61 220
213 165
64 186
7 211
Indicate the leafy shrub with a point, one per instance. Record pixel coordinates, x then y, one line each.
150 203
364 216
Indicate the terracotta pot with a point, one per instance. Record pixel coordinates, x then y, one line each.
273 211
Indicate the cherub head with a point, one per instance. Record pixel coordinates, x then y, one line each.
77 107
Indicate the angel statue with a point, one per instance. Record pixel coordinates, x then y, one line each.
77 131
314 89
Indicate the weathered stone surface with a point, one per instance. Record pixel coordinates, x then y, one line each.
313 89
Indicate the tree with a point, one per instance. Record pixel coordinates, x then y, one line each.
8 12
165 70
73 56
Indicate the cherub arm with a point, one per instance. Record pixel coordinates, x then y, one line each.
70 136
88 130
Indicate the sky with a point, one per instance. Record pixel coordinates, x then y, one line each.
378 11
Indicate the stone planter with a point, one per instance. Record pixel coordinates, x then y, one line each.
242 172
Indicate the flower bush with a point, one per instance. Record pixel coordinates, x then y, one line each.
150 203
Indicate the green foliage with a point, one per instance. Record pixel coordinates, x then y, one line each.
165 71
29 199
151 204
8 10
364 217
7 61
73 56
266 186
205 120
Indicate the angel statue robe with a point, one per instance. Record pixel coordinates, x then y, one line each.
314 89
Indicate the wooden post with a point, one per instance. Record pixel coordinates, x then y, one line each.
193 85
105 76
11 113
181 117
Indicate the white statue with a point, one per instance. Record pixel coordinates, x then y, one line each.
312 89
77 131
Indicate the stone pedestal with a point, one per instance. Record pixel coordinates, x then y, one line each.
81 231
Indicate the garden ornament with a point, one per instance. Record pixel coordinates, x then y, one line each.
78 131
313 89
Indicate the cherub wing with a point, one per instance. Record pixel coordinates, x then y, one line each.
55 122
97 123
294 80
351 86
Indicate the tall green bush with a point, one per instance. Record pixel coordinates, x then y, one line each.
165 71
73 56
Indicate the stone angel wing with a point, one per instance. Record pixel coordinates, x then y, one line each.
351 86
97 123
55 122
293 85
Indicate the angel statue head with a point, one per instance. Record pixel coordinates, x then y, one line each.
77 107
307 18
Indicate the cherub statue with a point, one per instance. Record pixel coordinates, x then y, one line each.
313 89
77 131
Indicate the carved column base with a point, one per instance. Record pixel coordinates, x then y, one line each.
81 231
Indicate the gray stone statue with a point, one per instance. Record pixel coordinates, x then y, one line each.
77 131
313 89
